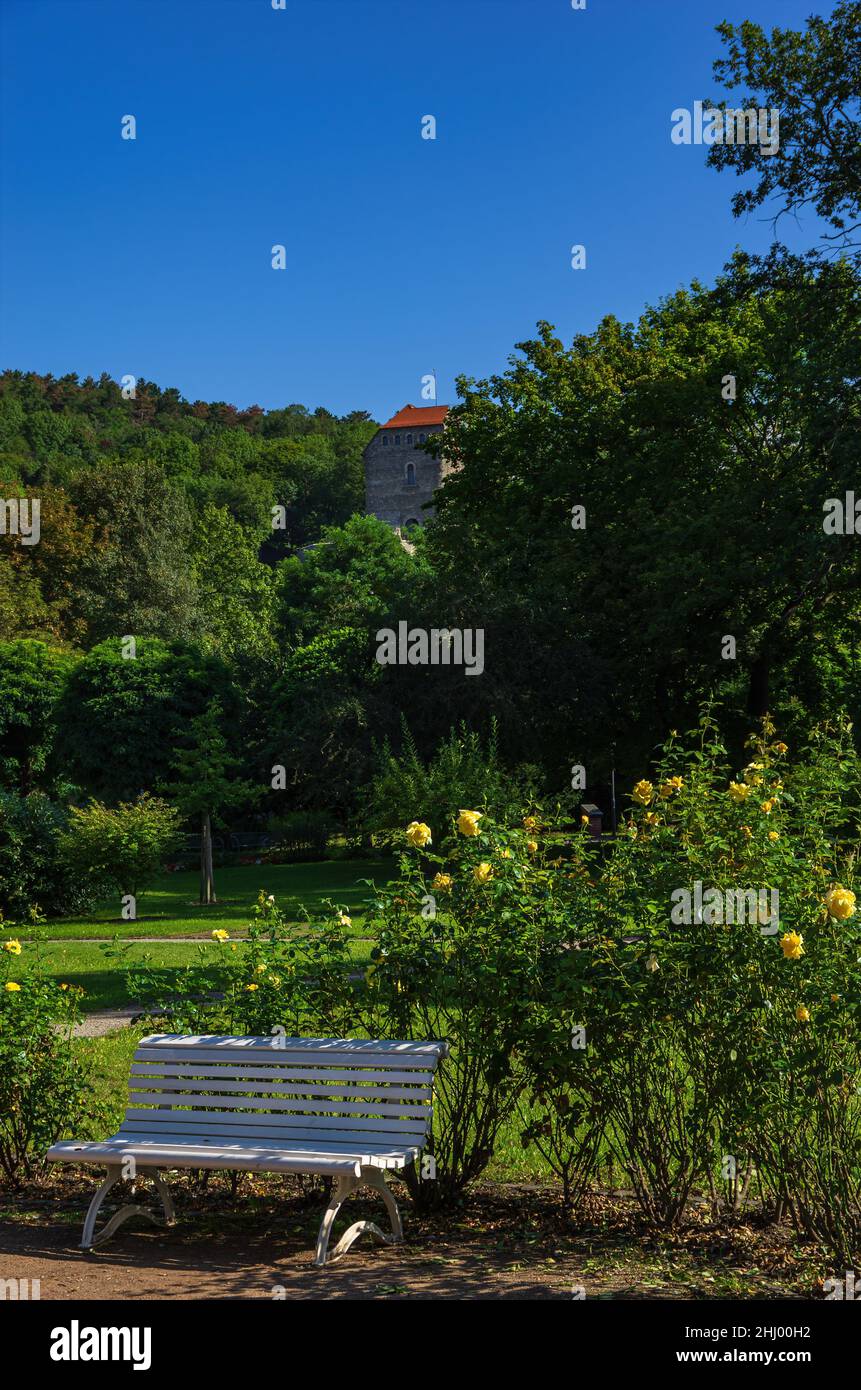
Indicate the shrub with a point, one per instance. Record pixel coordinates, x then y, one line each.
121 847
459 955
43 1084
748 1029
463 771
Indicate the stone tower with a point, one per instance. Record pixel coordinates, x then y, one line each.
399 476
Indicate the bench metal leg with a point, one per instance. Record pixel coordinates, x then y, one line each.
115 1173
371 1177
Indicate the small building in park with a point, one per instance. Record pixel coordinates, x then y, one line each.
400 477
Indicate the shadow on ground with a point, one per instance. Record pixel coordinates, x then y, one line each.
507 1242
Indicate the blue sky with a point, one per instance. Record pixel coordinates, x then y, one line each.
302 127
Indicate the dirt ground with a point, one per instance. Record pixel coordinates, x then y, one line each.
504 1242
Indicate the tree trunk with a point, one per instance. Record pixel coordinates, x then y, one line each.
207 886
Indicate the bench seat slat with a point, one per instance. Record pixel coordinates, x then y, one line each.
335 1138
285 1120
285 1057
341 1048
344 1139
351 1146
189 1156
281 1105
196 1086
179 1070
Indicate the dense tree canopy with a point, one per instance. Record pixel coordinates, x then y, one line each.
703 513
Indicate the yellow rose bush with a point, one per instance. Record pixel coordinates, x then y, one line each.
44 1084
728 971
460 953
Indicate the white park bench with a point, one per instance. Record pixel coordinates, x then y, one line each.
346 1108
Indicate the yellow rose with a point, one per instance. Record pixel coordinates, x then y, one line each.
738 791
12 987
505 854
781 748
840 902
773 835
747 831
220 935
643 792
344 919
261 970
13 947
670 787
467 822
483 873
442 883
791 945
768 807
531 822
532 846
802 1014
251 987
418 834
652 818
652 963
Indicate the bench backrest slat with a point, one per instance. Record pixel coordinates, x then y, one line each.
277 1088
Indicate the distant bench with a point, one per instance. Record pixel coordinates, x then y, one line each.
346 1108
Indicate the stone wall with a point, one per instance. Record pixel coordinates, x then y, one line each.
388 493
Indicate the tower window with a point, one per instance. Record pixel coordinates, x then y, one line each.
385 439
409 439
397 439
411 474
421 439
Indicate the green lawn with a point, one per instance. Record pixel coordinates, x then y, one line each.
169 912
170 907
84 963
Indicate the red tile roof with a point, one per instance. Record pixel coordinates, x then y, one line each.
416 416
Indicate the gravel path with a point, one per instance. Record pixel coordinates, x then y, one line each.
96 1025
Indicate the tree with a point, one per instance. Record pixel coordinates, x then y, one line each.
320 721
125 710
43 588
32 679
140 581
357 575
814 79
204 786
235 591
